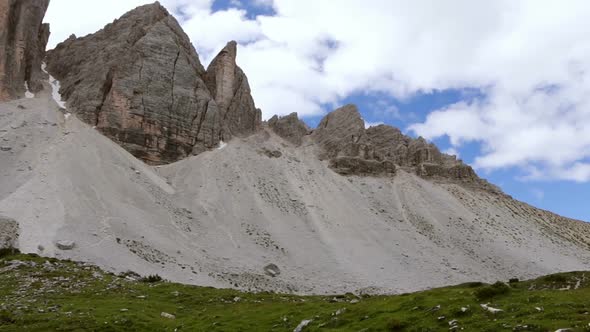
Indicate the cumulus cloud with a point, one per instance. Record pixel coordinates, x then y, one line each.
372 124
529 59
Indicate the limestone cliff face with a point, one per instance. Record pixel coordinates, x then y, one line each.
140 82
23 38
229 87
289 127
352 149
342 133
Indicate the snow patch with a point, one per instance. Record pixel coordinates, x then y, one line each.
54 88
222 145
28 93
67 115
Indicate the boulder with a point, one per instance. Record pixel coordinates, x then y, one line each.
272 270
23 38
289 127
167 315
9 233
65 245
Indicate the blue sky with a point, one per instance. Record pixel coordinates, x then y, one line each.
566 198
503 83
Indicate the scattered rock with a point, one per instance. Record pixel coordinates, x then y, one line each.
490 309
302 325
65 244
339 312
272 270
5 148
272 153
435 308
167 315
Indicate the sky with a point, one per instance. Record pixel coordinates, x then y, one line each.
504 84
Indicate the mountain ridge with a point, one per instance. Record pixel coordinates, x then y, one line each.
140 82
138 180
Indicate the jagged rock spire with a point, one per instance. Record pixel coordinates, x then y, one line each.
140 82
229 87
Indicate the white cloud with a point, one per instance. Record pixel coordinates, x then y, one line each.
531 59
68 17
77 17
452 152
372 124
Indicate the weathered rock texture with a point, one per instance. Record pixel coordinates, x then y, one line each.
352 149
8 233
229 86
289 128
140 82
342 133
23 38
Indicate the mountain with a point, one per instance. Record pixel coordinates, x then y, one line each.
139 81
166 168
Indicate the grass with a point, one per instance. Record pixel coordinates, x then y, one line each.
44 294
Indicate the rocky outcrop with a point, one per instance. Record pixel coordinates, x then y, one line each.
140 82
9 233
352 149
361 166
65 244
229 87
342 133
23 38
289 127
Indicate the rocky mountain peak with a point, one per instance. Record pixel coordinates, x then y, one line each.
289 127
352 149
23 38
341 133
221 75
229 87
140 82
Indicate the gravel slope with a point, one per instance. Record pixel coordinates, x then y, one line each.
220 217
